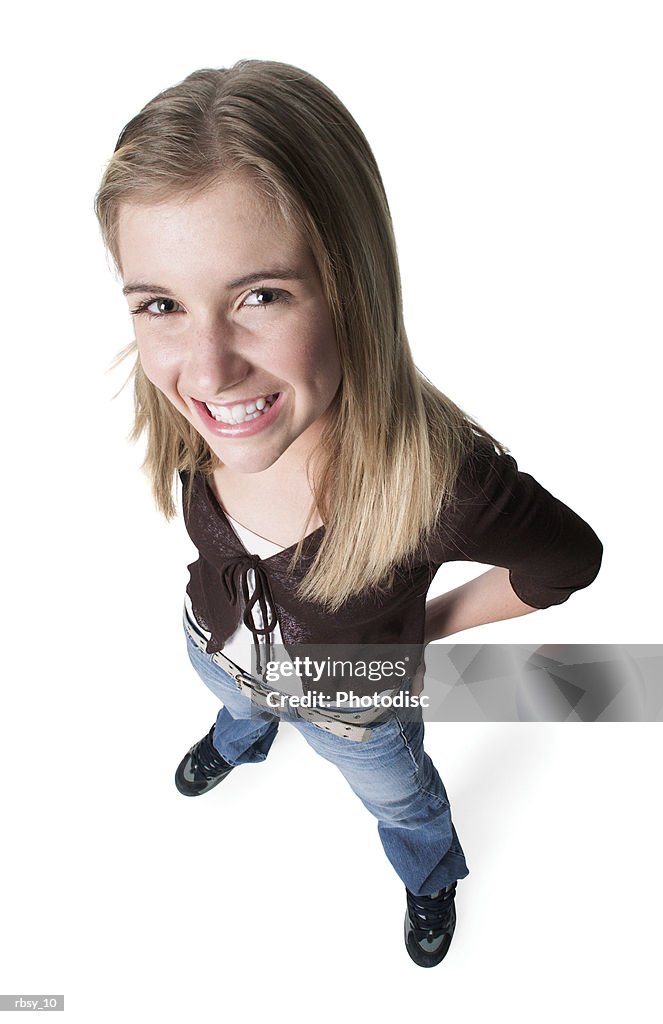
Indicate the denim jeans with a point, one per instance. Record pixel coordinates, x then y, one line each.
390 772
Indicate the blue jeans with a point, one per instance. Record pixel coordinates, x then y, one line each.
390 772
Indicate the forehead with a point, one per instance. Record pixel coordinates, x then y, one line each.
230 227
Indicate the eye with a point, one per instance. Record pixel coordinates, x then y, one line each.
164 307
264 297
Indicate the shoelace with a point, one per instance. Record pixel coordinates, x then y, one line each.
430 914
205 758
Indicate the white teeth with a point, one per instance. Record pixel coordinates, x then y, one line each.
240 413
224 415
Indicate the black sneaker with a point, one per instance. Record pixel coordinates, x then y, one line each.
429 925
202 768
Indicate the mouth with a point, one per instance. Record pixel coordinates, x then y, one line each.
241 412
239 419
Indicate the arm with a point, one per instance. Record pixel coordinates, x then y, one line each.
504 517
488 598
541 549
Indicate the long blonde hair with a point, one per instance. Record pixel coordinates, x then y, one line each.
393 444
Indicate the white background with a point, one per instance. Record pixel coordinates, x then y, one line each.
520 148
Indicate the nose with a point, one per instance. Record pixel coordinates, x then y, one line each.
214 363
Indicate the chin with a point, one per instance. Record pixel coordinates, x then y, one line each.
247 463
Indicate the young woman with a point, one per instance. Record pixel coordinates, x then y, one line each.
324 478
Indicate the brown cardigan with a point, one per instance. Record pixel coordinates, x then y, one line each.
502 517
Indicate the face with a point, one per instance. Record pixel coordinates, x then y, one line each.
231 322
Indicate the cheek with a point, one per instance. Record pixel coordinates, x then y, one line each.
158 366
312 356
327 369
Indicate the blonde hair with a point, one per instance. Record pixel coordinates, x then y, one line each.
393 444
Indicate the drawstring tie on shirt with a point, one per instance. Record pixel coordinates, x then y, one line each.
262 596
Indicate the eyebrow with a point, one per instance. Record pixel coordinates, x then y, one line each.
278 274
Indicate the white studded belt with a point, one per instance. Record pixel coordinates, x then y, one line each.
353 724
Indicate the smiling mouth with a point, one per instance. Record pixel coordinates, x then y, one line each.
241 412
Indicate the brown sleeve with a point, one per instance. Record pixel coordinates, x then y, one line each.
505 517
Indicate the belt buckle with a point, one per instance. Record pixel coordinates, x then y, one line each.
255 695
228 667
